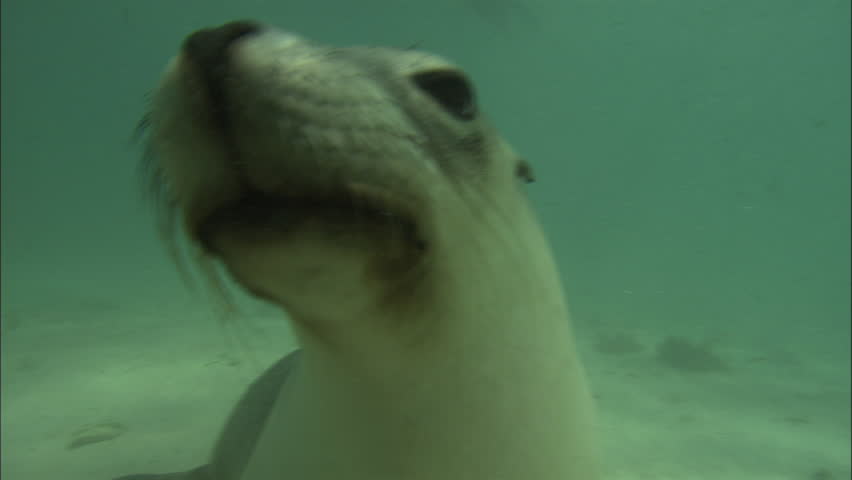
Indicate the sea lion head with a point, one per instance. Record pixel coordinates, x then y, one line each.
326 179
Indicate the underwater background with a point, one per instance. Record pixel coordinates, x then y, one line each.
693 173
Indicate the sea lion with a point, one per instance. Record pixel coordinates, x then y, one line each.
363 191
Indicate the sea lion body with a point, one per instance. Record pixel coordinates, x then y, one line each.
362 191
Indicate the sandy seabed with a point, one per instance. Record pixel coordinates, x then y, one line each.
92 390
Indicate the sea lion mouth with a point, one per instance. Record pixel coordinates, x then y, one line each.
354 216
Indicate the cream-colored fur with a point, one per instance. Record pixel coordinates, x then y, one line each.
435 338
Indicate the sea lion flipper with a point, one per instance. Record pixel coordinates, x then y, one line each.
200 473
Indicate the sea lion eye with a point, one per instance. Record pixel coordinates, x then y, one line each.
451 89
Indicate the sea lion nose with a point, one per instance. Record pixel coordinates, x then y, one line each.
207 52
208 47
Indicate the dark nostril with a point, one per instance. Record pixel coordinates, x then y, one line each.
208 47
207 51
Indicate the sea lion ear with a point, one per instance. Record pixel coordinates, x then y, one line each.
524 171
